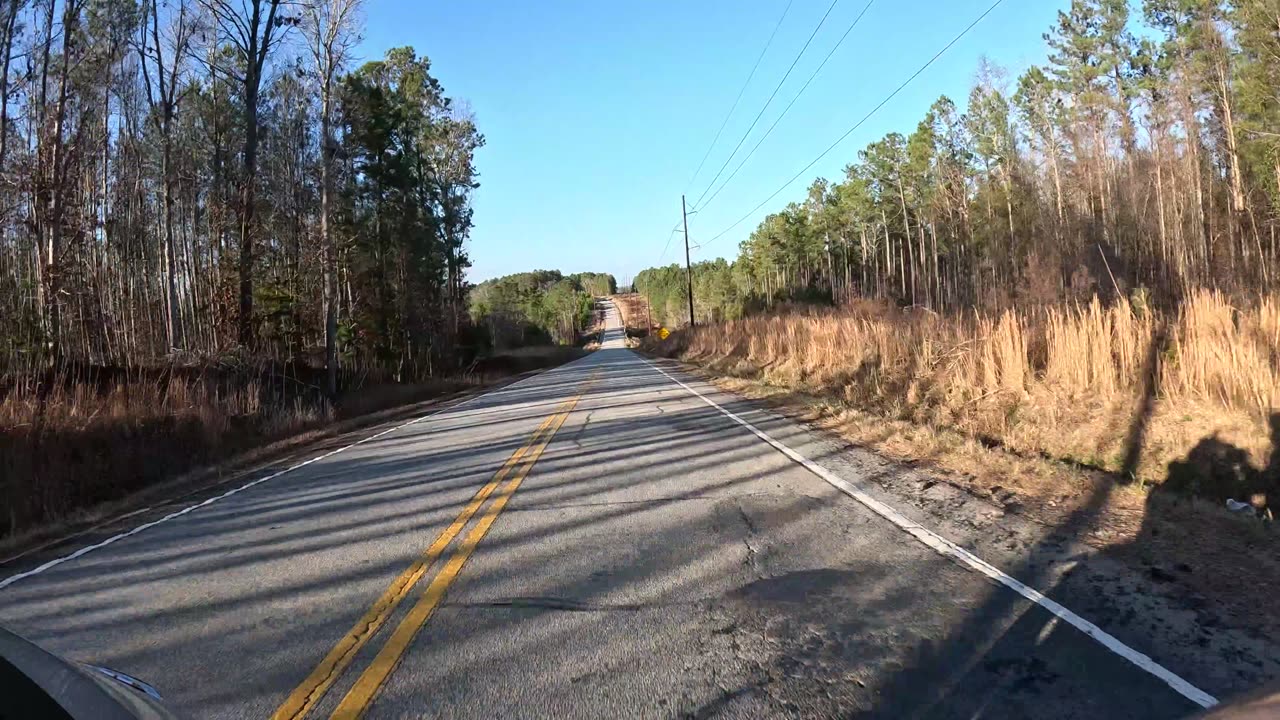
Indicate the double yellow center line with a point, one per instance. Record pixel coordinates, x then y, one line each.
361 695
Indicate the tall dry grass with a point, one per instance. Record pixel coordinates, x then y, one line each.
1063 381
634 311
77 443
73 440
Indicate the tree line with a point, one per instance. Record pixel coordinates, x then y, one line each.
538 307
1143 156
199 176
719 292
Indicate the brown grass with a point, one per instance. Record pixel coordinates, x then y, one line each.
1062 381
81 443
1235 561
87 440
632 307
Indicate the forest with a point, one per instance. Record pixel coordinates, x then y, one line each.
218 229
1141 159
538 307
192 178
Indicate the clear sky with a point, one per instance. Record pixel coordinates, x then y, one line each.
596 113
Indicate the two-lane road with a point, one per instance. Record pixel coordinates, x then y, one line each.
594 541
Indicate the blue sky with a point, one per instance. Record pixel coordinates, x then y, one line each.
597 113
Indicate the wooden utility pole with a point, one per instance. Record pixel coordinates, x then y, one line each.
688 268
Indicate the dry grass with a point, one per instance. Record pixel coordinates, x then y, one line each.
1061 381
98 437
83 443
995 402
1043 490
632 307
1235 562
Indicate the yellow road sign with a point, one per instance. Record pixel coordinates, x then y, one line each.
663 333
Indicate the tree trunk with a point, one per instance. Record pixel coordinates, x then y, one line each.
7 48
257 44
248 197
1156 139
52 251
1229 133
170 255
908 265
330 252
1057 181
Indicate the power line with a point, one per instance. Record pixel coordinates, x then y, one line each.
667 247
859 124
698 204
738 99
777 120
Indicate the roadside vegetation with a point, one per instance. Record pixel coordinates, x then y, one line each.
1080 262
538 308
217 229
78 435
89 435
637 317
1061 382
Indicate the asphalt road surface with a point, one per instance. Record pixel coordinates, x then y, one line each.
594 541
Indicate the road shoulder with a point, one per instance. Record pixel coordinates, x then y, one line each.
1156 604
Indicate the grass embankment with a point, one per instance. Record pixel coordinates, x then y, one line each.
71 442
1194 392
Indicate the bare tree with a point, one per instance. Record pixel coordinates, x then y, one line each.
122 125
10 19
252 28
330 29
52 171
164 79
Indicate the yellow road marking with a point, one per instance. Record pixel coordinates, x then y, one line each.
306 695
358 699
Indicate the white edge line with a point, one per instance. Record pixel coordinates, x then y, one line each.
209 501
72 536
949 549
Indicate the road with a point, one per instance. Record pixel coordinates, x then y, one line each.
593 541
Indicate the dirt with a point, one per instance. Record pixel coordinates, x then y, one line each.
1188 580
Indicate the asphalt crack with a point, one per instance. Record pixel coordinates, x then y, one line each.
577 437
552 603
752 558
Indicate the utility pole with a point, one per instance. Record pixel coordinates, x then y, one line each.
688 268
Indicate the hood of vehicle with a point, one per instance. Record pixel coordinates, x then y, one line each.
40 684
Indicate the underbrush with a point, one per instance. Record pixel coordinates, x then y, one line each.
1187 397
69 441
